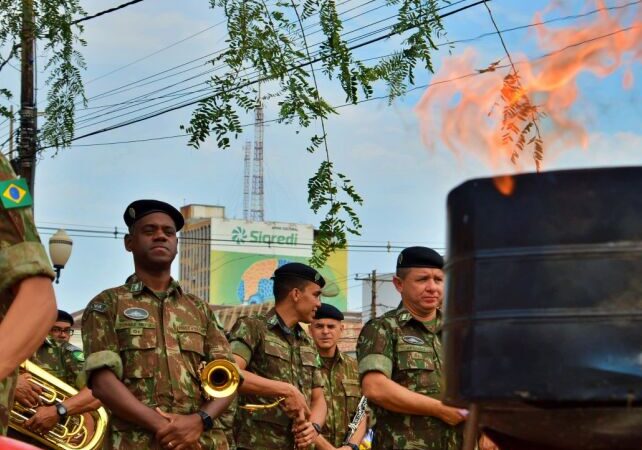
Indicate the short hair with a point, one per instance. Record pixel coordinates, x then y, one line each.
402 272
283 285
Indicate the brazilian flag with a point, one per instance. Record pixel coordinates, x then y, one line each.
15 194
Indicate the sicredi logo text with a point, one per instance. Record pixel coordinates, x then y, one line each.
240 235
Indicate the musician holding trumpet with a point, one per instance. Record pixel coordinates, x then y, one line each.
347 420
280 366
145 343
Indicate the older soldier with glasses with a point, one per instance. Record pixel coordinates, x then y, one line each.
64 361
400 362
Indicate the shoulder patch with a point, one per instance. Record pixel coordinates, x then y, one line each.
98 307
78 355
414 340
15 193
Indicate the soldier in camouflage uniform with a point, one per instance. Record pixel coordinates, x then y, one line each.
341 382
27 300
400 362
65 362
279 361
146 342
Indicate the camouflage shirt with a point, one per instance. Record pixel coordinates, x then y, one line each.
21 256
342 394
64 361
272 351
408 352
156 344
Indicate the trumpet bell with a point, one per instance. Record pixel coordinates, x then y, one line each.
220 378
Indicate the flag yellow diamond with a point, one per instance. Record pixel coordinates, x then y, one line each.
14 193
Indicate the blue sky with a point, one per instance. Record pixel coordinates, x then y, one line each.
403 183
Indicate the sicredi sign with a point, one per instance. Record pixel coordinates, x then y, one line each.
240 235
272 238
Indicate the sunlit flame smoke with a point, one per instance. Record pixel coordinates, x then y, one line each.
462 108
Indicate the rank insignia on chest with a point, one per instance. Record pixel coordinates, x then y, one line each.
414 340
136 313
15 194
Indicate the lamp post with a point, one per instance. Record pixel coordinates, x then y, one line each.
59 250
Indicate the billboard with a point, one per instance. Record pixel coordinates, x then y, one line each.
263 238
243 278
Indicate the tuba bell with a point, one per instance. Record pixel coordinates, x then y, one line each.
221 378
73 433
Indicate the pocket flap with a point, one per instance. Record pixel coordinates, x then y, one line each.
352 388
309 357
414 360
136 338
274 347
192 342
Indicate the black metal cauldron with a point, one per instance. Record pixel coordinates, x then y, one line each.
543 311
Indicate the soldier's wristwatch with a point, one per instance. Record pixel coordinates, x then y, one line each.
317 427
61 410
208 423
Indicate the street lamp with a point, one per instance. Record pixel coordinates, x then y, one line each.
60 250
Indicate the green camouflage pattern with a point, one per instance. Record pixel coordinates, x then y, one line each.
273 351
408 352
21 256
157 344
63 360
342 394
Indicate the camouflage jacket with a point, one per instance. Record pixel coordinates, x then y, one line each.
342 394
64 361
273 351
156 343
21 256
408 352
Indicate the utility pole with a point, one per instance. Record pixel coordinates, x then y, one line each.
28 127
372 278
373 295
11 119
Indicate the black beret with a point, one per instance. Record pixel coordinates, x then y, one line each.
299 270
420 257
140 208
327 311
64 316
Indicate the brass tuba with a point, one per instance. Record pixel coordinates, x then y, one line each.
221 378
72 434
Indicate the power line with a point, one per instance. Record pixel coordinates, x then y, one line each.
439 45
188 62
422 86
152 54
140 99
107 11
255 81
116 234
206 82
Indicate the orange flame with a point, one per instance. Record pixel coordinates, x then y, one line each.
505 184
455 109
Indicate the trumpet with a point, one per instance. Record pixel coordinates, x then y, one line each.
221 378
73 433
